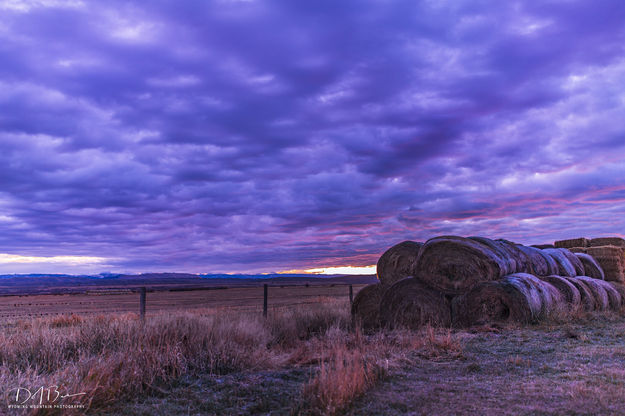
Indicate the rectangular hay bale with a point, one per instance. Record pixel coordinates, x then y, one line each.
607 241
612 261
579 249
573 242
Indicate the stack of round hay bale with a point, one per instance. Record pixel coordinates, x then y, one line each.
394 265
466 281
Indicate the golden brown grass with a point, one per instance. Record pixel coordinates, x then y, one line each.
65 320
315 360
350 364
112 358
328 367
343 376
119 357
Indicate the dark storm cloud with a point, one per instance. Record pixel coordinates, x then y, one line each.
254 136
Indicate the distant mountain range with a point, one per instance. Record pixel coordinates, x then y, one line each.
22 284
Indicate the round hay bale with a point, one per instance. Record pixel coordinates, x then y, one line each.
607 241
591 267
409 303
551 299
502 251
620 288
588 301
552 265
366 306
523 262
573 242
614 297
396 262
489 302
602 302
575 261
513 298
565 268
569 292
454 264
538 264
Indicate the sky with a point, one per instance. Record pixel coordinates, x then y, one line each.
260 136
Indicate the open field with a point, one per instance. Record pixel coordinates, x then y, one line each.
574 369
307 359
123 301
66 284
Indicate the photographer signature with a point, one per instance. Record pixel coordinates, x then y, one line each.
43 394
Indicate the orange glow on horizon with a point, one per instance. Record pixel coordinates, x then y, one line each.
334 270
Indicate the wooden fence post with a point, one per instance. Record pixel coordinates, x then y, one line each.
142 303
265 300
351 295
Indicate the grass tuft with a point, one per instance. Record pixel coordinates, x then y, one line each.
342 377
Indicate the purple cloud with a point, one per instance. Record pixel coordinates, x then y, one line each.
243 136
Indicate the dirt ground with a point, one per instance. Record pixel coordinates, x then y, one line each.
550 369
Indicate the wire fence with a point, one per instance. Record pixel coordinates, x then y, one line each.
147 300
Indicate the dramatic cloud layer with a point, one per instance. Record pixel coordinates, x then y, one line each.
261 136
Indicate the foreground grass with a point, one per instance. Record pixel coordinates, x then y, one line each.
310 361
110 361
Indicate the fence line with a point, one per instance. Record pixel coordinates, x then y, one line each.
39 309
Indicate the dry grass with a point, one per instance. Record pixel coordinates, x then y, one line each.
353 363
65 320
118 358
343 376
308 360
